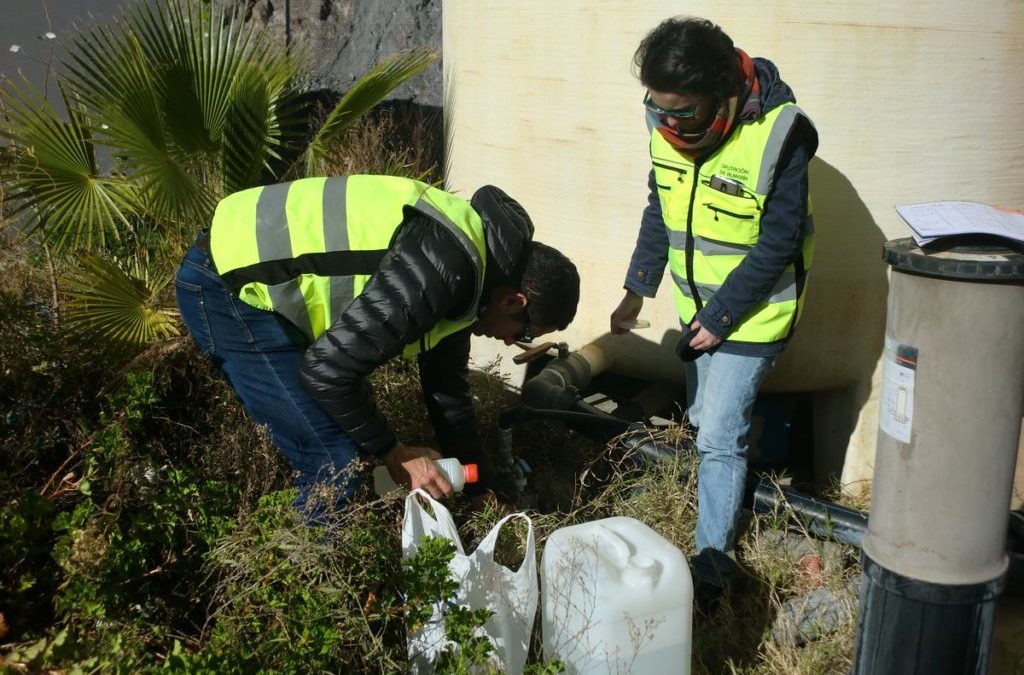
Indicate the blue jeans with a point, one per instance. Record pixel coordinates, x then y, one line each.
720 393
260 353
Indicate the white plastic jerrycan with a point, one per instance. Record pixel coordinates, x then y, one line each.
616 598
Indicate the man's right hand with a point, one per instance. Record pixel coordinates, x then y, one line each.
627 310
413 467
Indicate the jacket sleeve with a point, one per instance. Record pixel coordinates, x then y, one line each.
650 255
444 374
419 281
778 244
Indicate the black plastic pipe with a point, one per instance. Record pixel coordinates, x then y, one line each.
608 425
554 393
822 518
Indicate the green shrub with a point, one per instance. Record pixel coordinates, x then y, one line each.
128 535
295 599
28 575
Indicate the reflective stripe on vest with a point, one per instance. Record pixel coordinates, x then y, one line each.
305 249
712 224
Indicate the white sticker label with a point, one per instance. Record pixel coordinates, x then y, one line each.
896 416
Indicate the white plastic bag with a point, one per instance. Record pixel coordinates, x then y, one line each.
511 596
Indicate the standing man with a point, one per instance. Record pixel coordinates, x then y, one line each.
729 213
298 291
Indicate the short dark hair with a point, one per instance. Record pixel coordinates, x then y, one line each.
688 56
551 285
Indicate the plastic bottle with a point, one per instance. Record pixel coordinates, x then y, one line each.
615 597
456 474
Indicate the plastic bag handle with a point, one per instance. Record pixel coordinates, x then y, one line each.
435 505
441 517
486 546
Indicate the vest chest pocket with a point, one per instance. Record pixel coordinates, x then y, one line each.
669 177
735 219
673 183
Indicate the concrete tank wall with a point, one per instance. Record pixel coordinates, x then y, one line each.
913 102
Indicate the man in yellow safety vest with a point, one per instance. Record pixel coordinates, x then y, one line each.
298 291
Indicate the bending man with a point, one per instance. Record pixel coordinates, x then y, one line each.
300 290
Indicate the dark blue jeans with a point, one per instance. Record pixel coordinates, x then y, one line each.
260 353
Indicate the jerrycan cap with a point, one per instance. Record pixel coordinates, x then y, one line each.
471 473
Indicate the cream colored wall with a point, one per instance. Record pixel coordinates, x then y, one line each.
913 101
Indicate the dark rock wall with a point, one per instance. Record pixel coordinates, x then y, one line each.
344 38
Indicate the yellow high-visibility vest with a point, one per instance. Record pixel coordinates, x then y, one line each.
306 249
712 212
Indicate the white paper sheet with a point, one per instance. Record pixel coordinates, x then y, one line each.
932 220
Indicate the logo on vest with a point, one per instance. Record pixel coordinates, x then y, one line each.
740 173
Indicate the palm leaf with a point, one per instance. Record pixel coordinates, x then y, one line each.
262 114
110 71
448 124
365 93
118 303
193 102
54 180
225 79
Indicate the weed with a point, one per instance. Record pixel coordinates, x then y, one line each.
395 141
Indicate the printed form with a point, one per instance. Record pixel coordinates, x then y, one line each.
932 220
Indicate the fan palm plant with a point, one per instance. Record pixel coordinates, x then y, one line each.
167 109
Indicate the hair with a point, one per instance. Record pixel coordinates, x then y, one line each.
688 56
551 284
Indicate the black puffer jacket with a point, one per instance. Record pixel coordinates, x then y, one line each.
425 276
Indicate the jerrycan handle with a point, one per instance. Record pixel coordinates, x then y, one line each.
615 540
636 570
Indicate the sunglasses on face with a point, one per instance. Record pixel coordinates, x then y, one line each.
679 113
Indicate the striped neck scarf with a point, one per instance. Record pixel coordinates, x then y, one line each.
724 119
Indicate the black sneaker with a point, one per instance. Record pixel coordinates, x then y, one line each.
707 597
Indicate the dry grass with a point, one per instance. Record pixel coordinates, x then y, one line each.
22 265
396 141
608 481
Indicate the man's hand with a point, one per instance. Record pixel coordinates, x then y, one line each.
627 310
704 339
413 467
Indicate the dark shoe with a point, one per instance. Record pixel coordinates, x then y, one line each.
706 598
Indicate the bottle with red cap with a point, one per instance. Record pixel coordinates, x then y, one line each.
457 475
